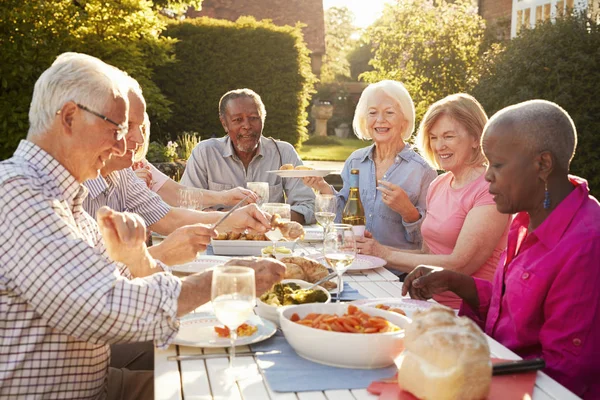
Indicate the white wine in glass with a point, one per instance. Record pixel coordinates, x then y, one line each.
324 218
325 209
339 250
233 297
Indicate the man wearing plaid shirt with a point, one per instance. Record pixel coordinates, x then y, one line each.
66 292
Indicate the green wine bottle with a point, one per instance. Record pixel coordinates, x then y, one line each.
354 212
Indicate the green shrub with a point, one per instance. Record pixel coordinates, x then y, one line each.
158 153
215 56
186 143
322 141
559 62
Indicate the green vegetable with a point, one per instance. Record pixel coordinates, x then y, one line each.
290 293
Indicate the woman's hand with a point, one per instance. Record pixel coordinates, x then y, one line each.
367 245
144 174
425 281
396 198
317 183
233 196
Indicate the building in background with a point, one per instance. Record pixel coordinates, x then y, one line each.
281 12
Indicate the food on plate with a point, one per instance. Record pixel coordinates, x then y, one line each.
445 358
285 294
392 309
354 321
286 167
282 250
240 236
291 230
312 270
303 168
242 330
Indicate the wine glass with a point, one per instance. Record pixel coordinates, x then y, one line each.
233 295
262 191
325 209
339 249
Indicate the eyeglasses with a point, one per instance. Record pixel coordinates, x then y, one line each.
121 132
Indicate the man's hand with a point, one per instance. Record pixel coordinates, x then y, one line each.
268 271
183 244
233 196
249 217
367 245
124 236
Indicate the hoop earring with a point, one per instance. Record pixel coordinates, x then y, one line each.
546 196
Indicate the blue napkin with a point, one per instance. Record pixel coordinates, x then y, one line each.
288 372
348 294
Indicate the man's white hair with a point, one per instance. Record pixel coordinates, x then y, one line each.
73 77
543 126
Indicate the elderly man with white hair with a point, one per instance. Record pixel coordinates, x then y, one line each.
66 291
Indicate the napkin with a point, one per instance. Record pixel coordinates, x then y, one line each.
348 294
504 387
288 372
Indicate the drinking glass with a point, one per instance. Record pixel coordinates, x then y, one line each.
339 249
325 209
284 210
190 198
233 296
262 191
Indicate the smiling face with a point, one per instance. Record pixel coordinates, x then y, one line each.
451 144
385 119
512 171
243 124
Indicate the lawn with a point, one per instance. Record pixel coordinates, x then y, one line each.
331 152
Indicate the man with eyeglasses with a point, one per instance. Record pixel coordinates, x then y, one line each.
67 284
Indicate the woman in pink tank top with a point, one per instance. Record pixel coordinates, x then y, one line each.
462 230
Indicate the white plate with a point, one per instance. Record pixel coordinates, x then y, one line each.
198 330
200 264
409 306
361 262
313 234
292 173
245 247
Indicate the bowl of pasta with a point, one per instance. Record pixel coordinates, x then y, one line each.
344 335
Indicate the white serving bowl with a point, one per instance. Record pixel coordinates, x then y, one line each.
271 313
345 350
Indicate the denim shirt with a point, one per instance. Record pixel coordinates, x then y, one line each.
409 171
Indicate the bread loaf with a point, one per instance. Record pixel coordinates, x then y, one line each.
285 167
445 357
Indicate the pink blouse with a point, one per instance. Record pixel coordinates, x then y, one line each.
545 297
447 209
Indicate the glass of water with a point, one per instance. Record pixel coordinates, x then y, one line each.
284 210
190 198
262 191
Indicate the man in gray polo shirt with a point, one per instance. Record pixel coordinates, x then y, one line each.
245 155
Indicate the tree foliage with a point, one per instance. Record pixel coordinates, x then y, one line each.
432 47
339 29
124 33
559 62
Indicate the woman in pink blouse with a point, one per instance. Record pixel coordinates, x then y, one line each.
168 189
462 230
544 300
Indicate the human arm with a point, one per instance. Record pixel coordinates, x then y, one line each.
300 197
479 236
317 183
196 288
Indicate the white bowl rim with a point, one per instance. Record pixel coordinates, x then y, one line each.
299 282
354 334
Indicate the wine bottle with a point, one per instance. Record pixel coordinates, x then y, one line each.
354 212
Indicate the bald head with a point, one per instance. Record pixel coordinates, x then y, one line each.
538 125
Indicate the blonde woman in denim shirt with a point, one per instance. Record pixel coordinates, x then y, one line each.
393 178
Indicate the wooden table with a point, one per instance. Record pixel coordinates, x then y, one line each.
201 379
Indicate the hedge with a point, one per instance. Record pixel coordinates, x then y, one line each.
559 62
215 56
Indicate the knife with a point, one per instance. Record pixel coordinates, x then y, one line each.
230 211
516 366
224 355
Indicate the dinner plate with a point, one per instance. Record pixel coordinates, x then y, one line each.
301 173
198 330
409 306
245 247
361 262
313 234
200 264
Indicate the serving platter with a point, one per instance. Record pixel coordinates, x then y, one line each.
302 173
201 263
409 306
245 247
361 262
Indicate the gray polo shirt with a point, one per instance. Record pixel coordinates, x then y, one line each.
214 165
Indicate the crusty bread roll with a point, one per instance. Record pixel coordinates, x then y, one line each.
286 166
294 271
303 168
313 270
445 357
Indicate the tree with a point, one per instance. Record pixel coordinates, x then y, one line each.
339 29
124 33
432 47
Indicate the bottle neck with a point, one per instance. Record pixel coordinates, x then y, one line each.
353 181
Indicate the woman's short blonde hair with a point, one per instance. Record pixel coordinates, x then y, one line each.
465 110
396 91
142 150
